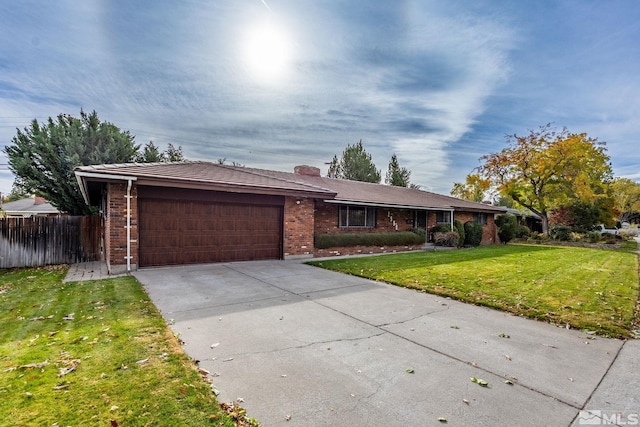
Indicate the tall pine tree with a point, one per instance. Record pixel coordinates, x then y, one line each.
43 156
356 165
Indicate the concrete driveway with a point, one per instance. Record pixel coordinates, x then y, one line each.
301 346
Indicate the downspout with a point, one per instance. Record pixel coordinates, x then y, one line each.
451 220
128 197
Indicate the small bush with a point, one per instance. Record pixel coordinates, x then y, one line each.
593 237
473 233
450 239
459 228
441 228
522 232
507 225
403 238
561 233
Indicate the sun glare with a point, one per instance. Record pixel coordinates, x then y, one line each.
267 53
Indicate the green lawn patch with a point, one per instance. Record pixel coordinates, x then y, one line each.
589 289
93 353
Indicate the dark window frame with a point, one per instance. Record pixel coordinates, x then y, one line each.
351 216
480 218
443 217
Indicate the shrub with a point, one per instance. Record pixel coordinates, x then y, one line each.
459 228
561 233
450 238
522 231
507 225
473 233
403 238
593 237
441 228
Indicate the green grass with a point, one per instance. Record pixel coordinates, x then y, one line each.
590 289
102 328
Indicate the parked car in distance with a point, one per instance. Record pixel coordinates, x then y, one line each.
600 228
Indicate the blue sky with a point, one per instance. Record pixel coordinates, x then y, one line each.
278 83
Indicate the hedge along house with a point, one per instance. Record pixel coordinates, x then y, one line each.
199 212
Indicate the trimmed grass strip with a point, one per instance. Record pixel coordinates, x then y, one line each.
589 289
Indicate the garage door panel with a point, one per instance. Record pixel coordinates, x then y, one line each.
184 232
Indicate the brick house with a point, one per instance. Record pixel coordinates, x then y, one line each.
200 212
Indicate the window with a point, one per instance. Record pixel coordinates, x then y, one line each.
480 218
443 217
357 216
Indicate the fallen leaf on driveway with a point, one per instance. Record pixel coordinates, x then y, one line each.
479 381
410 371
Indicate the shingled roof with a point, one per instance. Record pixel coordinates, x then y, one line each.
213 176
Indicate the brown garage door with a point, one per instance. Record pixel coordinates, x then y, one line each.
174 232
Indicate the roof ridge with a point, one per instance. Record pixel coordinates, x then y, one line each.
264 173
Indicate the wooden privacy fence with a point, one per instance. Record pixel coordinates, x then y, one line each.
38 241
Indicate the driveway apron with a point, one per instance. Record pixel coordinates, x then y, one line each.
302 346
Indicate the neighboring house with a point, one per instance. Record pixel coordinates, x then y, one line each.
528 218
31 206
200 212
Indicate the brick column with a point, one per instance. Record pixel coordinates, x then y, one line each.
116 227
298 227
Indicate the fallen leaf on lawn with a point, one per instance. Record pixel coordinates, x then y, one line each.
142 362
61 387
28 394
35 365
114 423
114 408
68 369
69 316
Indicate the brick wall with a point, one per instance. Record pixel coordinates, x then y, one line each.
298 226
489 231
387 220
116 223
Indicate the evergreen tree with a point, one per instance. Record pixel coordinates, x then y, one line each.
355 165
43 156
396 175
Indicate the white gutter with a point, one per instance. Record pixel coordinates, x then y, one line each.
128 197
106 176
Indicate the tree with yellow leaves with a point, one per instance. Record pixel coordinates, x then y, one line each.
547 169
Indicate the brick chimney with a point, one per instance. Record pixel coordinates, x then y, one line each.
307 170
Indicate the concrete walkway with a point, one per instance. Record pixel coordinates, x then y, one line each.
94 270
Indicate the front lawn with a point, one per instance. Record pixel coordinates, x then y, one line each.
93 353
591 289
